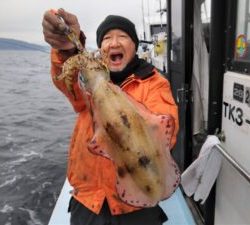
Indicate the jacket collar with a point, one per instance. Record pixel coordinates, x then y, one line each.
144 69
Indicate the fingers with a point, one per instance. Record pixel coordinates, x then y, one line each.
53 28
49 24
70 19
52 33
57 41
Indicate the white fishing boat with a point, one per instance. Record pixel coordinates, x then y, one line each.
208 67
176 208
153 43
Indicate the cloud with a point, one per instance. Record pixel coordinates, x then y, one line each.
21 19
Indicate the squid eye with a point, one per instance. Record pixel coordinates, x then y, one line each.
81 80
81 77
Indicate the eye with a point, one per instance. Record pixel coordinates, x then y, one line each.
106 37
123 35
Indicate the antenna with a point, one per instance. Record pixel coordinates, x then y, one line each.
160 14
161 11
143 21
148 13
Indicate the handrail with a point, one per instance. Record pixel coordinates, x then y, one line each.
233 162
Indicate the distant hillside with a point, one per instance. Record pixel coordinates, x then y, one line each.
12 44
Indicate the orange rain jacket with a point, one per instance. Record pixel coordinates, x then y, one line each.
92 176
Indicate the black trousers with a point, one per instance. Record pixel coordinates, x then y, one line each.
80 215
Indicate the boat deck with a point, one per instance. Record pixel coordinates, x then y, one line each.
175 207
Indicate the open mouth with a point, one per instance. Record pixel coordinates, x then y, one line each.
116 57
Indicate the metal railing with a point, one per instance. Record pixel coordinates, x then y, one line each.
233 162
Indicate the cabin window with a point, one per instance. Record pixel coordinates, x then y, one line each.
176 53
157 28
242 34
206 20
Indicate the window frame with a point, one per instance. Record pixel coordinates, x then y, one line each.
231 63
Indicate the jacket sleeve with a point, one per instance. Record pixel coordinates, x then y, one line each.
160 101
57 59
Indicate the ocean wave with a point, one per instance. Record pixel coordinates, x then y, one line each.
6 209
9 182
46 184
32 153
33 217
36 122
24 158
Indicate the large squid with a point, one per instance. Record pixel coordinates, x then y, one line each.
126 132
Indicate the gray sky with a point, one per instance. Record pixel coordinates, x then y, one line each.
21 19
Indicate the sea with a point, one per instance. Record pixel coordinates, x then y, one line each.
36 122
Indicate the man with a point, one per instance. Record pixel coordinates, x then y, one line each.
95 200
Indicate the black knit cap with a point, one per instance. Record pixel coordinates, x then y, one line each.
116 22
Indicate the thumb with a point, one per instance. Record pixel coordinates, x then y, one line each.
69 18
61 12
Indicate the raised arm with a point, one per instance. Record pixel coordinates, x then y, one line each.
62 49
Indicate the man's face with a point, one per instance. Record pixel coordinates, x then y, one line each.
120 49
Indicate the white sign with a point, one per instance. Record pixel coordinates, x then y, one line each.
236 117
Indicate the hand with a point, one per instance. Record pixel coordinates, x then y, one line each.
52 31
